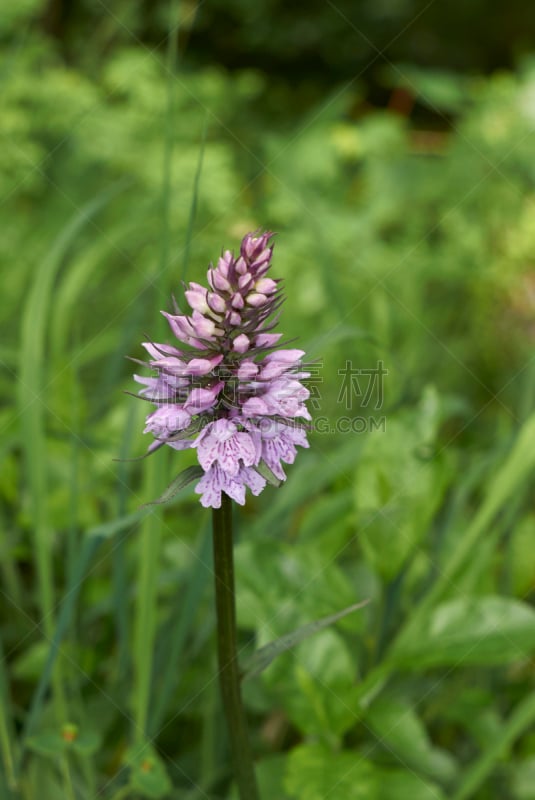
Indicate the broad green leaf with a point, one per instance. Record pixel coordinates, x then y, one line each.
399 728
47 743
52 743
183 479
406 785
329 522
86 743
398 487
282 587
314 772
469 630
269 776
263 657
317 684
30 664
523 779
475 709
148 775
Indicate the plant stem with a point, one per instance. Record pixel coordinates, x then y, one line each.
229 676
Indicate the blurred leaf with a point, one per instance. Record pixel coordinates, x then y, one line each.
475 709
269 775
182 480
439 90
47 743
317 683
263 470
30 664
314 773
263 657
470 630
109 529
43 780
148 775
522 552
523 779
87 742
53 743
520 720
400 785
399 484
397 725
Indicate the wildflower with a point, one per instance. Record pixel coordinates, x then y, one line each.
229 391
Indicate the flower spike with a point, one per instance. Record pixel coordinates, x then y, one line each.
229 391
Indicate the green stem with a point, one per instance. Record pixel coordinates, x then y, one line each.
229 675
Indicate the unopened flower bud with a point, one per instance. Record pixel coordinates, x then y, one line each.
265 286
241 343
267 339
256 299
196 297
218 280
216 303
245 282
240 266
237 300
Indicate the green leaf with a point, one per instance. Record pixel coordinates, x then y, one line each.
402 784
398 487
315 772
397 725
86 743
109 529
523 779
42 779
263 470
269 775
47 743
469 630
148 774
263 657
183 479
474 708
52 743
521 719
187 433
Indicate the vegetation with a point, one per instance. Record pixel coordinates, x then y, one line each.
405 236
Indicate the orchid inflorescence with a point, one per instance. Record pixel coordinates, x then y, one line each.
230 391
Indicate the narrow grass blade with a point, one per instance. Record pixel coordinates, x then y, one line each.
263 657
522 719
6 732
182 615
90 547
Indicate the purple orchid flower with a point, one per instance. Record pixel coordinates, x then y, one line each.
229 391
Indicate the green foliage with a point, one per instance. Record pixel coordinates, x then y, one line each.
470 630
397 243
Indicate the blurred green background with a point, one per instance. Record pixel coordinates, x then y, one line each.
391 146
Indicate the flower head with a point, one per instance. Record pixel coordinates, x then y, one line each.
229 391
